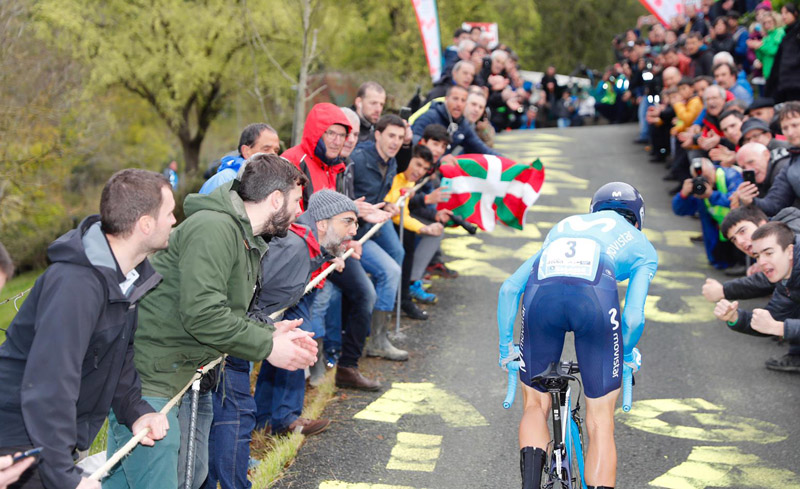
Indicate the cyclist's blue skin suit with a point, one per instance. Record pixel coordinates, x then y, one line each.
571 285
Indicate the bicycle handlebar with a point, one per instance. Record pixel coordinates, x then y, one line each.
627 388
513 378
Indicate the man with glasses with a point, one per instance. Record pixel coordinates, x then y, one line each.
316 237
755 130
319 156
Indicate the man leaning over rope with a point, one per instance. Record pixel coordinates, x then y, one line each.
68 354
198 313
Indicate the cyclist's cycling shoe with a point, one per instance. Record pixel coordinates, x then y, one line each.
531 464
599 487
786 363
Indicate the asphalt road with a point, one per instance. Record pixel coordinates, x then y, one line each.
708 414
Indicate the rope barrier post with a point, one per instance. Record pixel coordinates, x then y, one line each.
397 334
190 449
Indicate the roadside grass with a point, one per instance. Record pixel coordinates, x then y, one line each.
278 452
13 287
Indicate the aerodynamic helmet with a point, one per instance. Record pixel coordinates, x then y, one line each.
622 198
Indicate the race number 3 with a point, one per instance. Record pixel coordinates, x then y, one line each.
570 257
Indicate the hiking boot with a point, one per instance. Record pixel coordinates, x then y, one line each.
317 370
413 311
441 270
419 294
379 344
786 363
351 378
307 427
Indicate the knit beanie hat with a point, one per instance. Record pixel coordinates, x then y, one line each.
325 204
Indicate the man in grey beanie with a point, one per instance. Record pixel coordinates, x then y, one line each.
318 235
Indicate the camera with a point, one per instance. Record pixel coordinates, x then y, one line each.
468 226
699 182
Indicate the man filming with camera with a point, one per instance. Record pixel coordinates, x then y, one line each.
708 194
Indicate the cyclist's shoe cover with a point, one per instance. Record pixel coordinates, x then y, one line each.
531 464
599 487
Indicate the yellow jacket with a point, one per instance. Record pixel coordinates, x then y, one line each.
399 183
686 113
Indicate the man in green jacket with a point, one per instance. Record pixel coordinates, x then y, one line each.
210 272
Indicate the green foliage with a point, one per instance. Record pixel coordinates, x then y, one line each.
14 286
579 31
180 57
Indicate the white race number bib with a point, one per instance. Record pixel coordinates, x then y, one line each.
570 257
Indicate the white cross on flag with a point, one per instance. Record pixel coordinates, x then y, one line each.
486 188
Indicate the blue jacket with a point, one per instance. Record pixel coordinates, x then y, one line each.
692 205
227 171
368 181
463 135
785 189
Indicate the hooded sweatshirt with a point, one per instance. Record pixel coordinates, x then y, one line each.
210 271
68 354
309 155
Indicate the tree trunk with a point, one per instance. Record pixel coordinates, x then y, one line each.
191 153
305 62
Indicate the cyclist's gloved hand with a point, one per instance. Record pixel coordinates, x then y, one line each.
508 353
633 360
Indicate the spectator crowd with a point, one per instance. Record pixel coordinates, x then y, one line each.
130 307
717 98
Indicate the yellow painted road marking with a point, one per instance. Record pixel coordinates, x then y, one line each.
416 452
695 310
422 398
358 485
580 205
716 425
725 467
674 238
676 279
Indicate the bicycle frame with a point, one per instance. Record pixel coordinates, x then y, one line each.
565 425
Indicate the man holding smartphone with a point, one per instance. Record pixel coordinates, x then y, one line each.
759 172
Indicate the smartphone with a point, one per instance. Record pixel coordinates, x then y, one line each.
405 113
749 176
29 453
447 184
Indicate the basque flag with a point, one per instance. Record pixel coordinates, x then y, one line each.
486 188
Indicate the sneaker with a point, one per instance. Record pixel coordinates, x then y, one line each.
413 311
419 294
441 270
307 427
786 363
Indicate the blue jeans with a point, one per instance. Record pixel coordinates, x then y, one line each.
327 314
234 421
384 269
205 414
644 127
562 122
358 301
155 466
280 393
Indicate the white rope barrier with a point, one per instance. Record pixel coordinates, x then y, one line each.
131 444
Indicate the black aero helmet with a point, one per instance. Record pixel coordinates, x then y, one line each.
622 198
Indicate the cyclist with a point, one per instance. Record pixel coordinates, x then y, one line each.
571 285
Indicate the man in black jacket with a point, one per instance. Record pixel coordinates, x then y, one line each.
68 354
774 245
739 226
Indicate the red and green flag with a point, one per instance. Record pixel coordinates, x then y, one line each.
488 188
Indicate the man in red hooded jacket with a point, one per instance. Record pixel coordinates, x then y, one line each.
318 157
